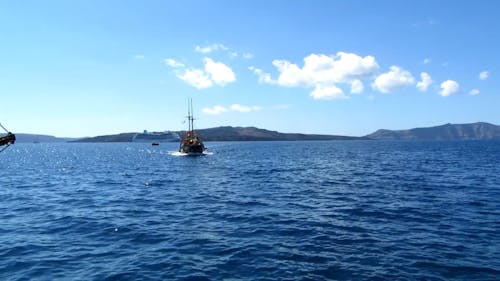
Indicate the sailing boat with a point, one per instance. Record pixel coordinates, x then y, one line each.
191 144
7 140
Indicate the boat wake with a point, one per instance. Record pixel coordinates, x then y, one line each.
178 153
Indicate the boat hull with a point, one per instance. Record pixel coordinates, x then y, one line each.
192 149
192 145
8 139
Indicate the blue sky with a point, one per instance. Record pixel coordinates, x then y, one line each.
86 68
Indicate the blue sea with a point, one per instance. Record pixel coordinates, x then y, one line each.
322 210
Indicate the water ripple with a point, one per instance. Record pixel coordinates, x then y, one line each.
251 211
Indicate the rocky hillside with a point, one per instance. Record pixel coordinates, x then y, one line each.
34 138
474 131
255 134
231 134
123 137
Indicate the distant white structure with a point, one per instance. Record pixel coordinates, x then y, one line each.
156 137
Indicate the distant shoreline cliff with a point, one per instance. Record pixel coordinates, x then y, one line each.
228 133
473 131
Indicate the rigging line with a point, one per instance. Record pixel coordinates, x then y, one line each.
192 113
189 117
1 150
3 127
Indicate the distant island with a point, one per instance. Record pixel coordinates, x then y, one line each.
473 131
35 138
227 133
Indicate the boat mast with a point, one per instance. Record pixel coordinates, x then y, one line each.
189 118
192 117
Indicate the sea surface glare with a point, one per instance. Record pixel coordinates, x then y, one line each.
335 210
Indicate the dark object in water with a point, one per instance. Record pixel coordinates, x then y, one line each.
191 144
7 140
155 144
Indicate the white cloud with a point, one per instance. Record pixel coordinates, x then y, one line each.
221 47
474 92
449 87
483 75
426 81
290 76
213 73
263 77
323 69
173 63
394 79
139 56
248 56
327 93
244 108
323 73
220 73
426 61
350 67
218 109
326 70
196 78
357 87
210 48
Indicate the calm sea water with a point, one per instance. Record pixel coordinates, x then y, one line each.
335 210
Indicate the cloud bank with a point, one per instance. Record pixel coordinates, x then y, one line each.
327 77
323 73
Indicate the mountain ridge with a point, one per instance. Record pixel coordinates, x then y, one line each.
469 131
228 133
35 138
